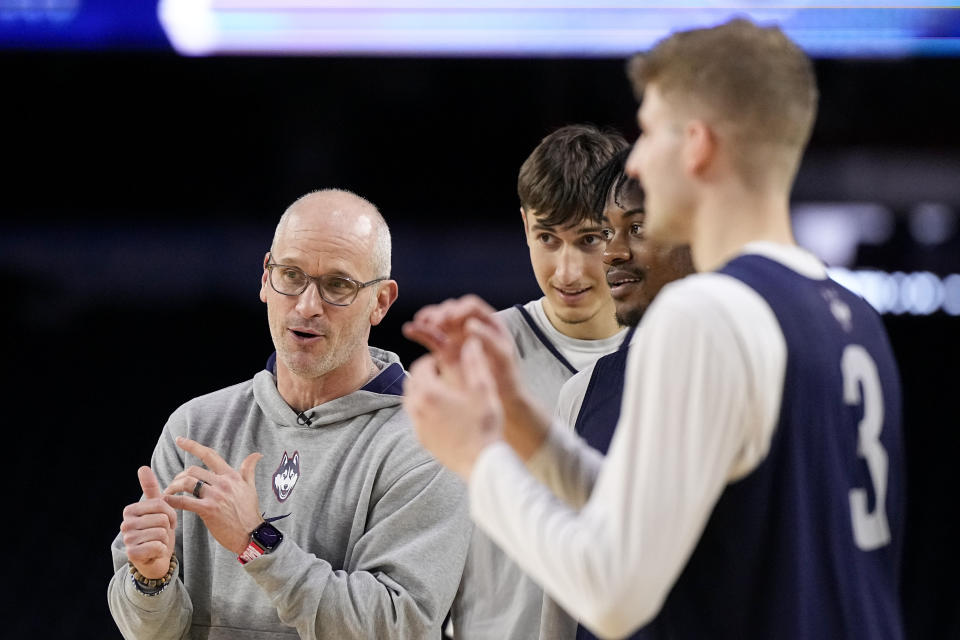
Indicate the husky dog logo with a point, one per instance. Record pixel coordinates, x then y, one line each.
286 475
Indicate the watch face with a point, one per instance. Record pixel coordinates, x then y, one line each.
267 535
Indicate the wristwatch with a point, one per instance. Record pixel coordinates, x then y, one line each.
263 539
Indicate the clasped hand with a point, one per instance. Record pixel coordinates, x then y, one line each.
227 504
461 394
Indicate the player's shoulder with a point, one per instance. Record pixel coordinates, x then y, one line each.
512 316
520 320
713 308
577 383
708 293
719 290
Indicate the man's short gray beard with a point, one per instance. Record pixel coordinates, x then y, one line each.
630 318
315 369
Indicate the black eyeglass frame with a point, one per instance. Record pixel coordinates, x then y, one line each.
318 280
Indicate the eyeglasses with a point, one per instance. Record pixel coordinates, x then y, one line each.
336 290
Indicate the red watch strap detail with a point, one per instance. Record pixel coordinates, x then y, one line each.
252 552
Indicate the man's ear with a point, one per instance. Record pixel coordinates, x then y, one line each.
700 147
263 278
386 296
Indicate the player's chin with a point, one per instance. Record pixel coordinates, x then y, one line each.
629 312
582 312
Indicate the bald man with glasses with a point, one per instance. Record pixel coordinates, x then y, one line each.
347 528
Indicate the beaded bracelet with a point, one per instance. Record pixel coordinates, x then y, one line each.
153 586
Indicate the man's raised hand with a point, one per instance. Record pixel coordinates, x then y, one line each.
455 417
149 528
227 502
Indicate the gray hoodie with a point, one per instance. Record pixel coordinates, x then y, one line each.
496 598
375 531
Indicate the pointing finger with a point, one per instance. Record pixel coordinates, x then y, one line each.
208 456
425 335
179 495
196 473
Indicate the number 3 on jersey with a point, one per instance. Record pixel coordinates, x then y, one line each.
870 529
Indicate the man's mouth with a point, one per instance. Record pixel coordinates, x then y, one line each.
305 334
570 295
618 282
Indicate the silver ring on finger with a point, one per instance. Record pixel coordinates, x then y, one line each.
196 489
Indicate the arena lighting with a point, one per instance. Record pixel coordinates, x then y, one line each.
834 230
932 223
919 293
951 301
607 28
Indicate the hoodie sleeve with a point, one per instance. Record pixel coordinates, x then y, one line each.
401 577
166 616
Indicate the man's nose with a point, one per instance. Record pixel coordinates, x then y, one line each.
570 267
617 250
309 302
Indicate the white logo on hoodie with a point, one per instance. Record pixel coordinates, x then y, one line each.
286 476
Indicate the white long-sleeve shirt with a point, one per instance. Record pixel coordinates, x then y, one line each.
607 538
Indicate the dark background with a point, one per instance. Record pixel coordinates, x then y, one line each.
140 191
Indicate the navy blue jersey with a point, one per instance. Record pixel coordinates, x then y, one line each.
600 409
808 544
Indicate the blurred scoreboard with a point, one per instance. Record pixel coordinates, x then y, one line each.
600 28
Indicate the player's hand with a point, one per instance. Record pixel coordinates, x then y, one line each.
149 528
455 417
443 329
228 502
